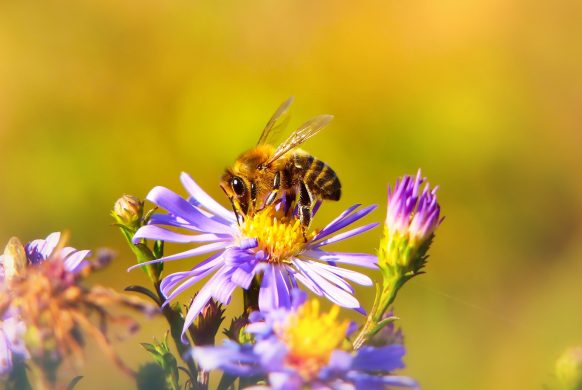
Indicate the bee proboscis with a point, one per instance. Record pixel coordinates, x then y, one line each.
265 173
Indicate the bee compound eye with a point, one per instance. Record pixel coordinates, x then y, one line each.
238 186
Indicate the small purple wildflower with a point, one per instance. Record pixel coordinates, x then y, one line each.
410 213
13 262
266 243
38 251
299 347
411 220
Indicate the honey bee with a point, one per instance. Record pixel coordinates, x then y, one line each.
266 174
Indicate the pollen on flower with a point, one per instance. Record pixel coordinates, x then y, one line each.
278 235
311 337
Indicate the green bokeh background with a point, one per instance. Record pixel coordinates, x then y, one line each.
101 98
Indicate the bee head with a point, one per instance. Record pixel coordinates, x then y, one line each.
238 189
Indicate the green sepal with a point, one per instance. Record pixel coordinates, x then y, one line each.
143 253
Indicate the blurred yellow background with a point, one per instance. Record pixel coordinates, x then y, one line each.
101 98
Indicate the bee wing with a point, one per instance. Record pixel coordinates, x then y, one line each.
302 134
278 121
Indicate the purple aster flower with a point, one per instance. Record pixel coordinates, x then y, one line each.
38 251
412 218
300 347
45 312
13 264
269 242
411 212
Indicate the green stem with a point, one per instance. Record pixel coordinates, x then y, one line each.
381 305
173 317
176 322
142 254
18 379
251 297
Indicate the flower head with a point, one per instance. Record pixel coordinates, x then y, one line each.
44 306
302 347
18 265
270 243
128 211
412 218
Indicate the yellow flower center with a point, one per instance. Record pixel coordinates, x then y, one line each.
280 236
311 337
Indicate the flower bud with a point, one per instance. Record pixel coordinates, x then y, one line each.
411 221
235 331
569 369
14 260
206 325
128 211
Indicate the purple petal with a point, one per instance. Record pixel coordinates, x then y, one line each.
354 276
340 217
172 220
237 257
383 359
298 297
347 220
189 253
76 261
230 357
309 283
340 361
205 200
373 382
223 287
5 355
360 259
331 276
168 283
274 292
243 275
329 290
342 236
153 232
38 251
285 381
268 293
178 206
283 288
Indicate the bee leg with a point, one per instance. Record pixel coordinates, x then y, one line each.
254 195
273 194
304 207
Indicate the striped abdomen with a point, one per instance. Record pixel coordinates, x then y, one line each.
317 176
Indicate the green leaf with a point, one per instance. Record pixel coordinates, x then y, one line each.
145 291
74 382
381 324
